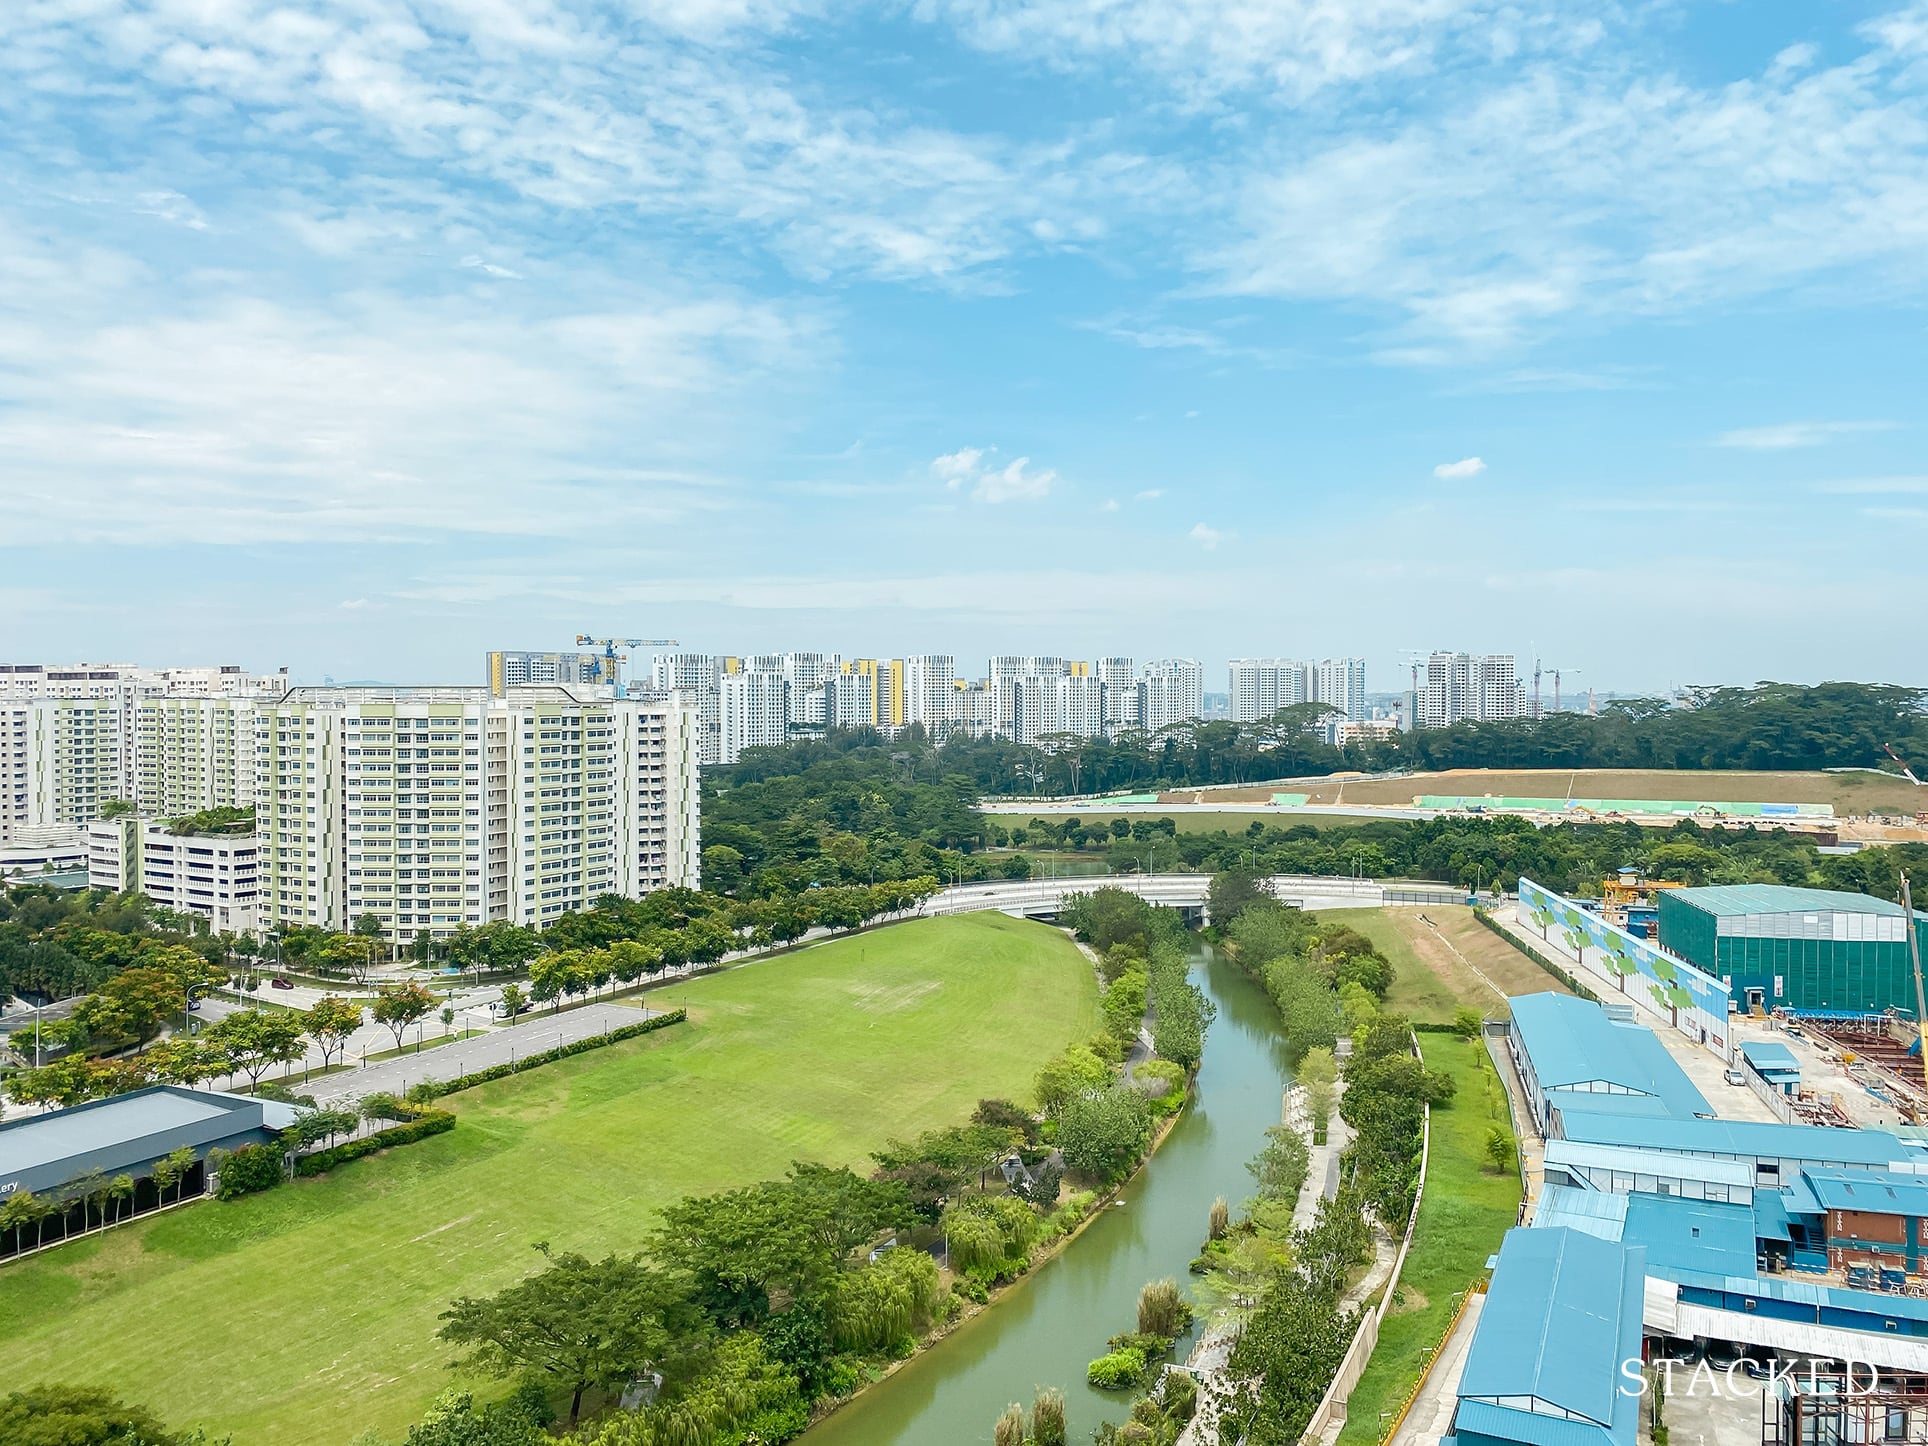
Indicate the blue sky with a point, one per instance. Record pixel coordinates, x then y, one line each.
363 335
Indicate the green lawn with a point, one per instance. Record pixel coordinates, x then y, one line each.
1465 1210
307 1314
1431 981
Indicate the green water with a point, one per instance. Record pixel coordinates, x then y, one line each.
1045 1331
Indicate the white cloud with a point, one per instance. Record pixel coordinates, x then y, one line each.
1013 482
137 413
1795 434
1590 185
1110 505
1207 537
1150 494
489 268
1877 485
1456 471
1204 48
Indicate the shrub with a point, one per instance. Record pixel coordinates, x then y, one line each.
990 1234
1220 1221
249 1169
426 1123
885 1302
1162 1311
1047 1418
1116 1371
550 1056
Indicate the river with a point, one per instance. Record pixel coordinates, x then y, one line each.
1047 1329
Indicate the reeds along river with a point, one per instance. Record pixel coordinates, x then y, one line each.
1046 1330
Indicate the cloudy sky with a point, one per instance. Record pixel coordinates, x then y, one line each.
363 335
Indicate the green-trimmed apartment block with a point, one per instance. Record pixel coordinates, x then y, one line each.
431 809
1805 948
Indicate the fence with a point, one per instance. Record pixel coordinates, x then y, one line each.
1536 956
1478 1287
1332 1405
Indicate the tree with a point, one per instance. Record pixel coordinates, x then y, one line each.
1280 1167
253 1041
81 1416
1500 1149
1466 1023
372 933
1063 1078
1231 893
22 1208
171 1169
1103 1133
512 1000
399 1005
329 1023
586 1323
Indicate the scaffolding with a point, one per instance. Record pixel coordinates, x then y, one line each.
1828 1405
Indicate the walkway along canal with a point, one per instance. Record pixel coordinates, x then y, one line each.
1046 1329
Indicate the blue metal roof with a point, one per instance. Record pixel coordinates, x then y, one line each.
1879 1192
1743 1138
1766 1055
1572 1042
1561 1315
1704 1235
1483 1419
1771 1216
1571 1207
1579 1155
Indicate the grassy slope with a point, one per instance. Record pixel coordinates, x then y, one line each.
1464 1212
307 1314
1429 980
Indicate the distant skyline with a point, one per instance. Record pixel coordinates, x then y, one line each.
366 335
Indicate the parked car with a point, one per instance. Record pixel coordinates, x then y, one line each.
282 982
1678 1349
499 1010
1723 1354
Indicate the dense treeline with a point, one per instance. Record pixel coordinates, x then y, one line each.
1767 726
1328 981
1487 851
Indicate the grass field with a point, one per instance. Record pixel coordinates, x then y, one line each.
1464 1212
308 1313
1430 980
1848 792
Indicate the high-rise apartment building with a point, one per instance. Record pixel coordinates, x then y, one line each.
1469 687
435 808
60 760
1120 680
700 676
1259 687
930 680
193 753
125 680
1339 683
866 693
1172 691
755 712
516 669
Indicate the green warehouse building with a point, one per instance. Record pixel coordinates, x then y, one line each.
1804 948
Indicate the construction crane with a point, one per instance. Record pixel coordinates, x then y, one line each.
1556 672
1906 772
611 657
609 645
1914 958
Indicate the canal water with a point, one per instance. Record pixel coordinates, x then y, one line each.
1047 1329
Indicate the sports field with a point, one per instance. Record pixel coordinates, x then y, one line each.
308 1314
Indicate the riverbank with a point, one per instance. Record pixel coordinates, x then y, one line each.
1048 1325
1042 1255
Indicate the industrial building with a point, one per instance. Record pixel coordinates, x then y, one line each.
1800 948
1573 1055
127 1134
1561 1316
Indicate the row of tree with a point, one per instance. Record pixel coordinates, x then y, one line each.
1766 726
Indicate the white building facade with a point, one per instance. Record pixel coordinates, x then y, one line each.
1172 691
217 877
1469 688
755 712
435 808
